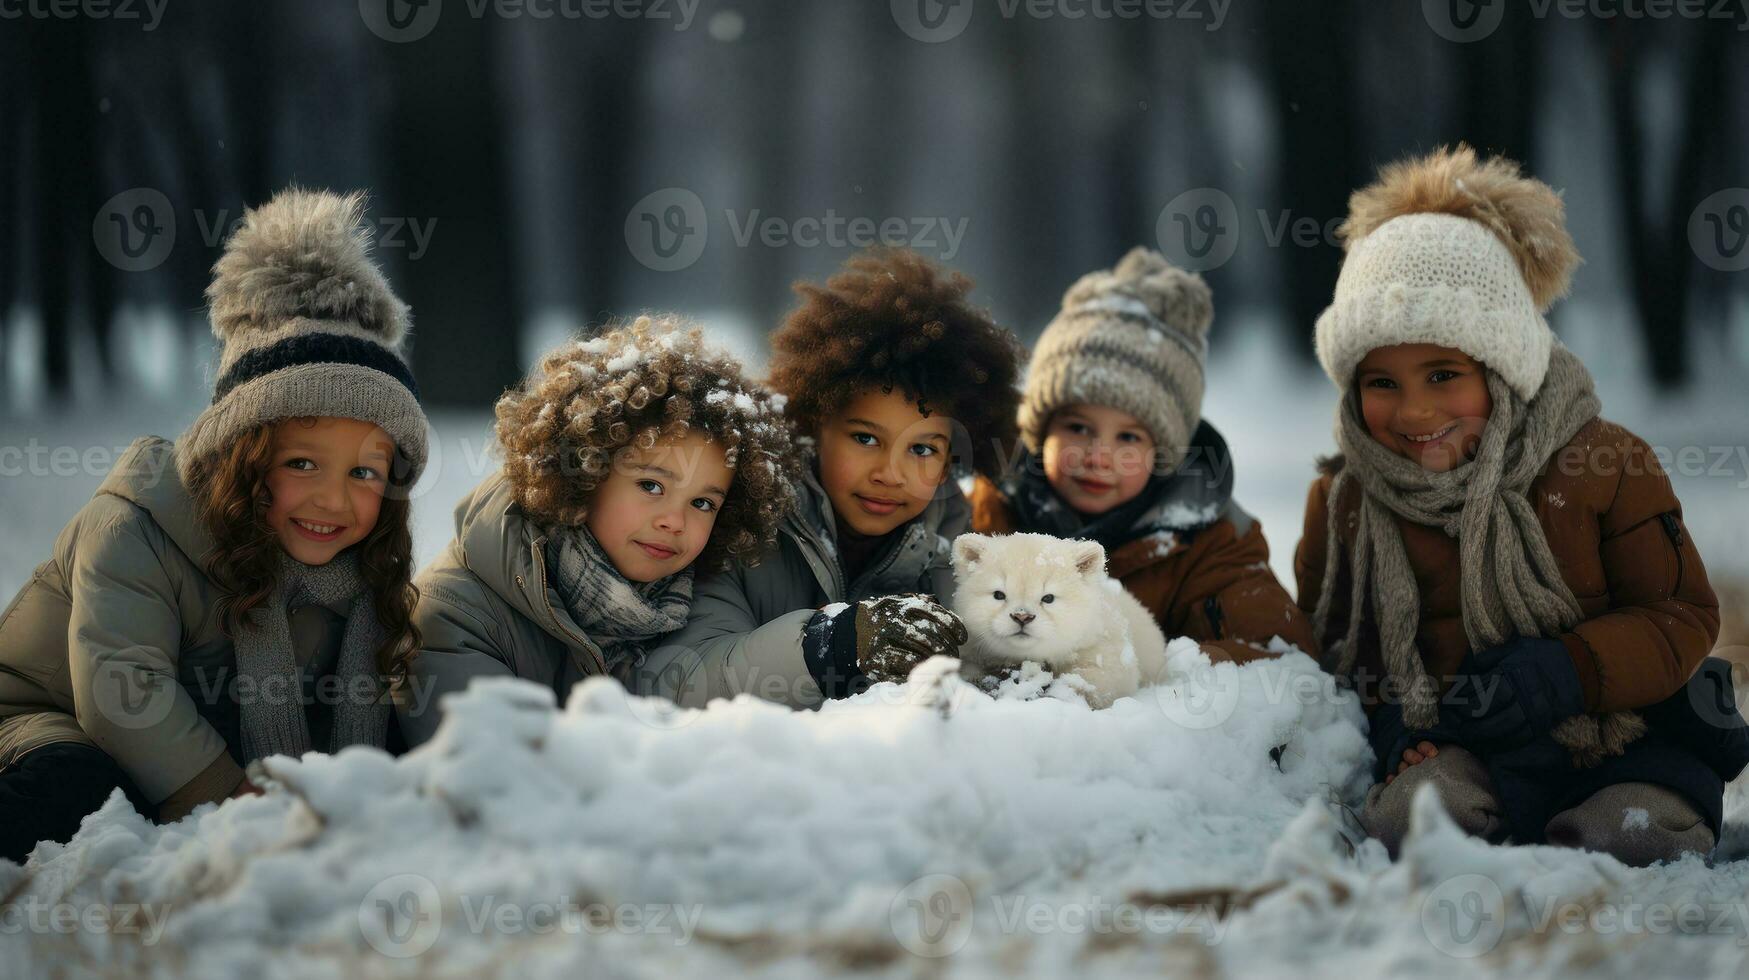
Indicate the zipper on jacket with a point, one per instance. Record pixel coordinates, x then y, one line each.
1673 528
541 568
815 554
1211 608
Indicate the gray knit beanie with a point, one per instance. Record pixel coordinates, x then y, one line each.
1132 338
309 327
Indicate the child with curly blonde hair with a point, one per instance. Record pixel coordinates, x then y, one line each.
628 459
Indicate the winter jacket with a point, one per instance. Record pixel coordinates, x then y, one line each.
1202 569
124 606
745 630
485 610
1615 528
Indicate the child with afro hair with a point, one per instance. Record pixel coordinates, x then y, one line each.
897 385
629 458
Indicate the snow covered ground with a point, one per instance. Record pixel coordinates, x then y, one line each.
916 829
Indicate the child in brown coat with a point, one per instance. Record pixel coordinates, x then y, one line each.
1503 575
1118 453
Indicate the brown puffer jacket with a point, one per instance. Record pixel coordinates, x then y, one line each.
1615 527
1212 584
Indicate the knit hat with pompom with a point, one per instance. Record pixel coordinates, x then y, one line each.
1451 250
1133 338
309 327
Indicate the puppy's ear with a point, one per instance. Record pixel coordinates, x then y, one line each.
968 549
1089 557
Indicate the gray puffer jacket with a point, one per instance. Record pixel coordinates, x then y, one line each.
744 633
117 641
485 611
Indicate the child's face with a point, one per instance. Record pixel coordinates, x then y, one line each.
881 460
1425 402
326 478
654 513
1097 457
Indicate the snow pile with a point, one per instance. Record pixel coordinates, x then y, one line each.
1197 829
1453 905
624 831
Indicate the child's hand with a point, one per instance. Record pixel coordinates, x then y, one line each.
245 788
1411 757
896 633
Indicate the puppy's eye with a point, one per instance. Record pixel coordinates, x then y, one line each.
1048 598
1000 595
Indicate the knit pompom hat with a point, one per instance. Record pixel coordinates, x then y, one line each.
1450 250
309 327
1134 338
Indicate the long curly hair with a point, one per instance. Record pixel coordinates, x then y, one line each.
890 319
590 402
232 498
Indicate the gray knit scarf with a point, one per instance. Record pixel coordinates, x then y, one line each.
1511 584
274 721
618 615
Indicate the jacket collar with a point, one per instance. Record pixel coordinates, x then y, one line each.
496 541
911 550
1191 497
146 476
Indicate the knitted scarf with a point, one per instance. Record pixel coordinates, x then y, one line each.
1510 582
618 615
273 719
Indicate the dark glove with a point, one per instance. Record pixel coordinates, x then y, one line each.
877 640
1511 694
1389 736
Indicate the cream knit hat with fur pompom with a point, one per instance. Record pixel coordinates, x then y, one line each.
1450 250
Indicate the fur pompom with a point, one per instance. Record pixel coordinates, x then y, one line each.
1179 298
1525 213
303 254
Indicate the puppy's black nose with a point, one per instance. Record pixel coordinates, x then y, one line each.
1022 617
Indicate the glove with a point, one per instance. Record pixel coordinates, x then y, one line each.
877 640
1511 694
1389 737
895 633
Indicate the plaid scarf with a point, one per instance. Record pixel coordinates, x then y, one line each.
618 615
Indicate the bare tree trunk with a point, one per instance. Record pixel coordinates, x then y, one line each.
1658 257
1318 137
444 150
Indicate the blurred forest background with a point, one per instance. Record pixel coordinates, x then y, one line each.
506 152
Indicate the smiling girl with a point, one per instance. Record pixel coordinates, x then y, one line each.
1503 575
203 608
